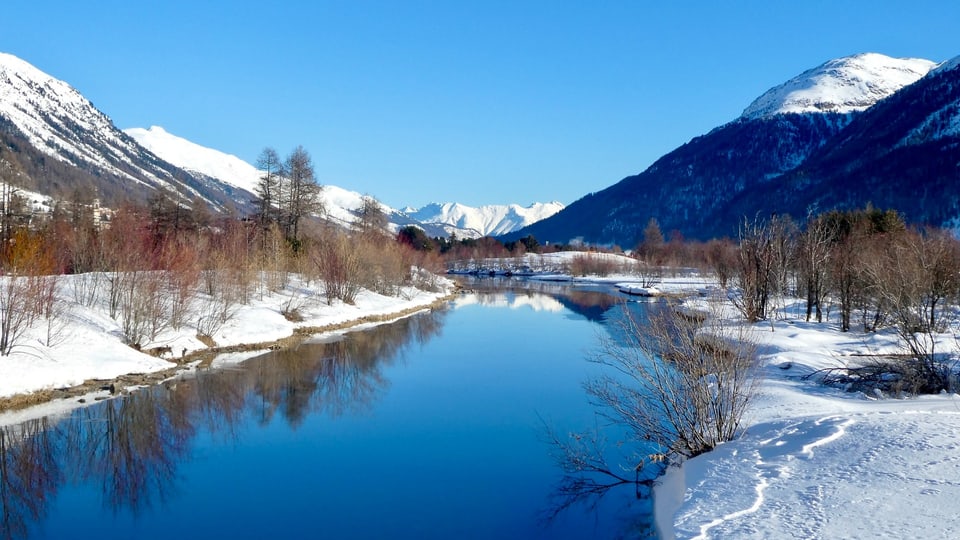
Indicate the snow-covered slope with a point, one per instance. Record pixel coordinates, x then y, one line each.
843 85
944 121
60 122
340 204
43 116
488 220
190 156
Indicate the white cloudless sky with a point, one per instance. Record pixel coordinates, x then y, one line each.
485 102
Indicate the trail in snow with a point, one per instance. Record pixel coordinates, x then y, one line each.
877 475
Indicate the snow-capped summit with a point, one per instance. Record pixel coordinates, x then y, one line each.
843 85
488 220
190 156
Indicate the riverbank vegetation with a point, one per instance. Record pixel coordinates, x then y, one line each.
173 265
865 269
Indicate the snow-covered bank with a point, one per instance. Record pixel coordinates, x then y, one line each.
83 343
818 462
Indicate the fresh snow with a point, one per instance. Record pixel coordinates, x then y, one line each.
815 461
843 85
952 63
341 204
818 462
942 123
49 112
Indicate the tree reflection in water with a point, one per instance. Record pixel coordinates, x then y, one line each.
132 446
29 474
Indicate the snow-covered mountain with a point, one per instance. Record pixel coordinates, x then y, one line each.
489 220
342 204
902 153
190 156
866 128
42 117
844 85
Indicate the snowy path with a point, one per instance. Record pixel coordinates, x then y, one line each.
875 475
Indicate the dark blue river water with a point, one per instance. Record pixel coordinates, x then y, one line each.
430 427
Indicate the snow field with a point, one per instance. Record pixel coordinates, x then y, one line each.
818 462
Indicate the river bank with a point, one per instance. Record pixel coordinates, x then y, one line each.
820 461
83 355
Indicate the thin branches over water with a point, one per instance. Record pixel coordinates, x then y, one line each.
678 380
677 385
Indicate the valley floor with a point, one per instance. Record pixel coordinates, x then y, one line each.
815 462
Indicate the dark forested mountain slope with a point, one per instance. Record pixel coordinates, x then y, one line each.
685 189
902 153
861 129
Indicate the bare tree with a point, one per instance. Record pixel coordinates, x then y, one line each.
269 188
303 193
813 258
755 274
371 219
917 274
681 381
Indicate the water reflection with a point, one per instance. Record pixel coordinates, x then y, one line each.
593 302
29 474
131 447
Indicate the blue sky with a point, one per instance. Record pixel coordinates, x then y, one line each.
483 102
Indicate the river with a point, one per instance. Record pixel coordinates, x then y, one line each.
433 426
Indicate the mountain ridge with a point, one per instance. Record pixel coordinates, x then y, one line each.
44 118
758 164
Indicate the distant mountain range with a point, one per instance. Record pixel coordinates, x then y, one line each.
856 130
438 219
852 131
55 143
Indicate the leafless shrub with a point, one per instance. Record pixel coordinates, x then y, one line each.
144 308
683 386
762 259
588 264
383 267
916 277
86 288
338 265
15 315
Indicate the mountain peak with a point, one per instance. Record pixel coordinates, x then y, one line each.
848 84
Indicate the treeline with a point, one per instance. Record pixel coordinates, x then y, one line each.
866 268
168 264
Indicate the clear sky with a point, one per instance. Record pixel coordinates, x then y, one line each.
479 102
